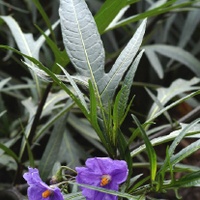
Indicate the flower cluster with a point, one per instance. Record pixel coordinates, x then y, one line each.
38 190
99 172
102 172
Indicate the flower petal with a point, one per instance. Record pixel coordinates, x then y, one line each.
95 170
88 193
105 196
37 187
120 171
32 176
35 193
86 176
100 164
56 195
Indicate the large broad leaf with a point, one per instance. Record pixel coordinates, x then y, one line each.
84 47
81 39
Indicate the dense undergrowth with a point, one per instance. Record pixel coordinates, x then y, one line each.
123 85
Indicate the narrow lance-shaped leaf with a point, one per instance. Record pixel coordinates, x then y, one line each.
181 136
25 41
113 78
173 104
50 155
186 152
120 108
177 54
94 117
150 150
177 140
158 104
189 180
155 62
75 87
179 86
9 152
192 133
81 39
52 75
189 28
3 82
108 11
127 82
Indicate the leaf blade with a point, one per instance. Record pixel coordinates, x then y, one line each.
150 150
81 37
122 63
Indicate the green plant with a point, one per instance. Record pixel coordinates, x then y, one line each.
96 100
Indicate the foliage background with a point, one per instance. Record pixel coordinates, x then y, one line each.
59 131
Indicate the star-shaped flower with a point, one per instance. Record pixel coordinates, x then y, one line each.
38 190
102 172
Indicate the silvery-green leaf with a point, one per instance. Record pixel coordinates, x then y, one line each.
8 162
43 75
178 54
177 87
25 41
189 28
189 180
50 155
31 109
4 82
194 129
185 152
192 132
75 87
112 79
158 104
54 102
81 39
2 113
155 62
118 17
71 151
126 87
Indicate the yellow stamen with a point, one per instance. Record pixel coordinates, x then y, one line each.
105 179
46 193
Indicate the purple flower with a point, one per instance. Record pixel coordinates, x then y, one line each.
102 172
38 190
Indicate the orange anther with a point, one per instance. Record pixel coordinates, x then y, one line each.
105 179
46 193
